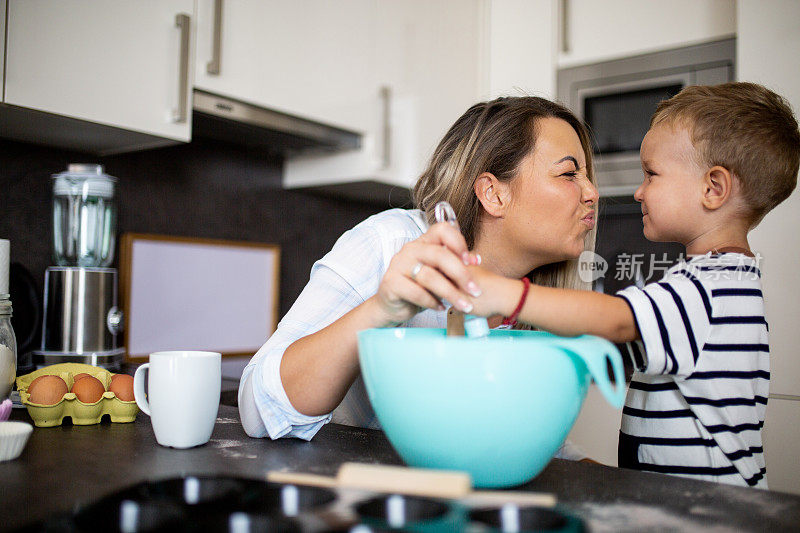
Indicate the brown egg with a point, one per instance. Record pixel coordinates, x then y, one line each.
47 390
81 376
34 383
122 386
88 389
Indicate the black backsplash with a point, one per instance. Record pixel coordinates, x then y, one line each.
202 189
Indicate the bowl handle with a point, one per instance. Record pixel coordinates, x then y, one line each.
594 352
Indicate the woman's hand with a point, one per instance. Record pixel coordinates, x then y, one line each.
424 272
499 294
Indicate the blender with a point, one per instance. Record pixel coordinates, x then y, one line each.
81 319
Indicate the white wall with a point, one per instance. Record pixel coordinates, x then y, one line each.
768 49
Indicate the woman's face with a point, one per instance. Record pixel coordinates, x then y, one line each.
553 202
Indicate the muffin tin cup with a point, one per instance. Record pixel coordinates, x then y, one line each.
241 522
515 519
408 513
129 515
80 413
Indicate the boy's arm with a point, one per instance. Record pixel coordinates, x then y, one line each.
561 311
572 312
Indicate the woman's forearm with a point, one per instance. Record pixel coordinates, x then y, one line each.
317 370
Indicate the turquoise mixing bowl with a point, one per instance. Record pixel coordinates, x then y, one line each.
497 407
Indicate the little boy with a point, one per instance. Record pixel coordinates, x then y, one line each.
715 160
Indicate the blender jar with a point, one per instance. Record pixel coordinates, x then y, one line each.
84 216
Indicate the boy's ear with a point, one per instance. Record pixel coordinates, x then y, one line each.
717 187
492 193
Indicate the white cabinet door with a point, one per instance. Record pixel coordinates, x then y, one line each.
428 60
430 55
310 58
611 29
116 63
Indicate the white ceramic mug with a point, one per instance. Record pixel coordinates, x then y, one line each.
182 395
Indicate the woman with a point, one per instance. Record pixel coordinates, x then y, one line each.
518 174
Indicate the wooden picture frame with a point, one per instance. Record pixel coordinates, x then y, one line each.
181 293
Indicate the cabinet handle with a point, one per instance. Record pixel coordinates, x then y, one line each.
212 67
565 26
184 22
386 101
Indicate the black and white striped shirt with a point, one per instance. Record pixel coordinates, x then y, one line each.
696 404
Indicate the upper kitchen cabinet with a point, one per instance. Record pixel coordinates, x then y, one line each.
310 59
425 70
595 31
104 78
519 48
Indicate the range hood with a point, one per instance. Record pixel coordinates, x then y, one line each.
226 119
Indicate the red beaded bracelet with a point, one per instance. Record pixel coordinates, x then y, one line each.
512 319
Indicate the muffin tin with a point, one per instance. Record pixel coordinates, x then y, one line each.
236 505
80 413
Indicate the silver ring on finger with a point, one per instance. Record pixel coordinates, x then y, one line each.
415 271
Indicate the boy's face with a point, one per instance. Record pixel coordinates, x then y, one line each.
672 187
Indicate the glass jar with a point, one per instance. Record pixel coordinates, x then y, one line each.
84 216
8 349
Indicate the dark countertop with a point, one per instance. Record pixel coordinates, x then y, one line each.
67 466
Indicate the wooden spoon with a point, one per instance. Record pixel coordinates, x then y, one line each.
413 481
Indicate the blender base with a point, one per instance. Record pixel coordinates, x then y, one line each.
110 360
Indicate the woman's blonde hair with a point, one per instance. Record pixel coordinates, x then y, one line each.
494 137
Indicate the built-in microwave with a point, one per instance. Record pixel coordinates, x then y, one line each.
617 98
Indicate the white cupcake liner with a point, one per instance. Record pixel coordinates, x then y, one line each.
13 436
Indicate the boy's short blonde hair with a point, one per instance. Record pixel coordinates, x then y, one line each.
745 128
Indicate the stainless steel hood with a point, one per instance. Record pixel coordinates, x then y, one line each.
226 119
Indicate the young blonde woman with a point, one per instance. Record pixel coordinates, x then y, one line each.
518 174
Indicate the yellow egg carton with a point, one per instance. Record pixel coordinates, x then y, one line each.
82 414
